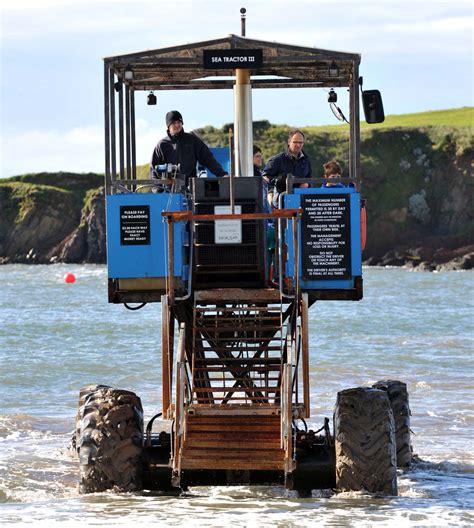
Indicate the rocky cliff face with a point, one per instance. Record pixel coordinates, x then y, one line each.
419 188
418 185
87 243
46 224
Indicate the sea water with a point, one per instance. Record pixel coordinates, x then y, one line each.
55 338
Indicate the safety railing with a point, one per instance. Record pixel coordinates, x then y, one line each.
127 186
295 376
186 216
182 398
288 391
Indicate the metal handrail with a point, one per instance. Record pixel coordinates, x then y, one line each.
179 421
280 249
187 216
287 402
292 182
289 390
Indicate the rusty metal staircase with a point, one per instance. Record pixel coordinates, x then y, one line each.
232 419
237 353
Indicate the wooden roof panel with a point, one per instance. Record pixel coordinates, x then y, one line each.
177 65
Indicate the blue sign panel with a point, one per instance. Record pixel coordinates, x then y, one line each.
330 254
325 236
137 235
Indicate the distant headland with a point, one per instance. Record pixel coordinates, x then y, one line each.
416 177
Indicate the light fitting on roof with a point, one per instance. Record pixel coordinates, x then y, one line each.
151 99
333 70
332 96
128 73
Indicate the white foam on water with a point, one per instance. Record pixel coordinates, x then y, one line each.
35 464
423 385
242 506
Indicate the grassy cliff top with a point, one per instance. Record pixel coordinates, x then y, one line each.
453 118
66 180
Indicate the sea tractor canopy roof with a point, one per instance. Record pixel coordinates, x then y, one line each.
217 64
204 65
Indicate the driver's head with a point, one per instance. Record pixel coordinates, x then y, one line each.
174 122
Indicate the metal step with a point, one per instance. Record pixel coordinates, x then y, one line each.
234 295
232 441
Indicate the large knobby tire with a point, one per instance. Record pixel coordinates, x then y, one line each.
110 441
83 395
364 431
398 397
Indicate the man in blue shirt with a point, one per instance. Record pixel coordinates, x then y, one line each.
292 161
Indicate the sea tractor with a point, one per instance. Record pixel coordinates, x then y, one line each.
235 353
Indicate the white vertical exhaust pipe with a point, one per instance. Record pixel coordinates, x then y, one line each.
243 134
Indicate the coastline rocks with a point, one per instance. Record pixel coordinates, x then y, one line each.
55 231
465 262
87 243
417 184
427 258
33 218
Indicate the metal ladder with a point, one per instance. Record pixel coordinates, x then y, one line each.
233 418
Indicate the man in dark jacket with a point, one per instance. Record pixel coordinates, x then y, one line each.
293 161
180 147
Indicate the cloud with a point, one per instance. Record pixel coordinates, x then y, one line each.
76 150
398 27
79 149
406 46
23 5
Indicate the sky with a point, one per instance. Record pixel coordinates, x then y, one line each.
419 54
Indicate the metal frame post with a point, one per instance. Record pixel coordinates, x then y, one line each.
128 146
113 144
121 135
354 137
107 128
170 260
133 136
305 353
165 357
243 142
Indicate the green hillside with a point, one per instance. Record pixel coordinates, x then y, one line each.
323 142
328 141
416 177
454 118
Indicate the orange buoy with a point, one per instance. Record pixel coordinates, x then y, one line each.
69 278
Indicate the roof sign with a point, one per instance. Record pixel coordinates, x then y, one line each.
234 58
